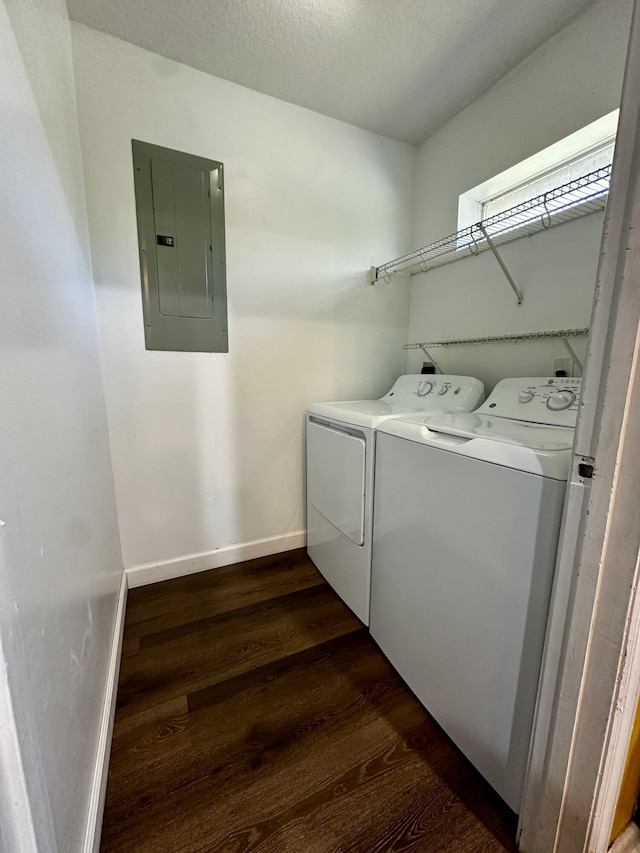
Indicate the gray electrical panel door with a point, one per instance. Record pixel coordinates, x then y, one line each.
180 211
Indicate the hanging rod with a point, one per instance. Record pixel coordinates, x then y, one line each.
572 200
501 339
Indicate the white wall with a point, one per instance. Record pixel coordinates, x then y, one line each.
570 81
60 561
207 449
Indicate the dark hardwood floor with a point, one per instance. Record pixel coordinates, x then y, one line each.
256 714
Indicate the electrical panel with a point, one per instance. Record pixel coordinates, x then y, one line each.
180 213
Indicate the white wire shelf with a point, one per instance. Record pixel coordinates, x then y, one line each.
501 339
559 334
576 198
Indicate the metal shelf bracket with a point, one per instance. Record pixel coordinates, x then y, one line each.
375 276
431 359
573 355
501 263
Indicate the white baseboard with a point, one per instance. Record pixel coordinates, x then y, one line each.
101 770
628 842
191 563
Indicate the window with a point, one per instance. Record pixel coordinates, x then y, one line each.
584 152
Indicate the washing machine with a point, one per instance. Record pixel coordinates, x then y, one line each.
466 523
340 440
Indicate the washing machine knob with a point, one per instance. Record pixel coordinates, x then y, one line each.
558 401
525 396
444 388
425 388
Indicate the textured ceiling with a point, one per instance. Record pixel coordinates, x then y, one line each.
397 67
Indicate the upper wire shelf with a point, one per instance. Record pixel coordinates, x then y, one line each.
572 200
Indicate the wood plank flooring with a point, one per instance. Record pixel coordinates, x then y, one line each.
256 714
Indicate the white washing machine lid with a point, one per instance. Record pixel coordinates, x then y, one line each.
533 448
413 394
364 413
475 425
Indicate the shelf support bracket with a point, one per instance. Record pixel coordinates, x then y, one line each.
376 275
501 263
431 359
573 355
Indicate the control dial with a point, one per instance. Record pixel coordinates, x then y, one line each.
444 388
525 396
425 388
558 401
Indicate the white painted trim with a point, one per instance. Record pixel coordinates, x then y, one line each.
624 703
191 563
628 841
18 830
583 723
101 770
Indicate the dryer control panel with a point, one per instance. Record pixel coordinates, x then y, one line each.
436 391
541 400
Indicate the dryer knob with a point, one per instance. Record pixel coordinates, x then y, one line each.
558 401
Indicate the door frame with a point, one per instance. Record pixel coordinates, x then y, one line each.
591 667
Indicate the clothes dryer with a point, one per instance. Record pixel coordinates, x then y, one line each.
340 460
466 523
